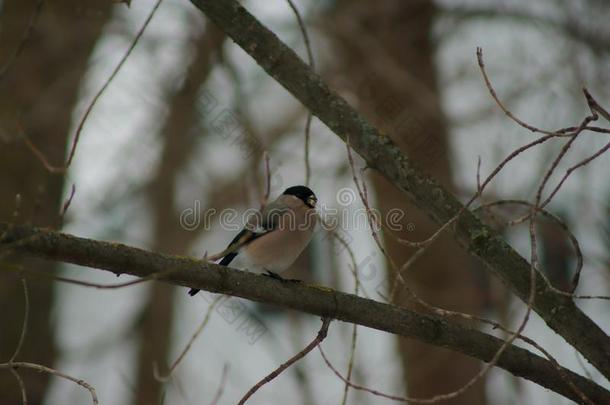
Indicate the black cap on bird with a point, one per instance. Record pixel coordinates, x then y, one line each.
304 194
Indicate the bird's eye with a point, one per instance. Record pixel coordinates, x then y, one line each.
311 201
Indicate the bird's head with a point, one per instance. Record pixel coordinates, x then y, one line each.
304 194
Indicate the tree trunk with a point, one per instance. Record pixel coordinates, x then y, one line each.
169 236
37 93
386 52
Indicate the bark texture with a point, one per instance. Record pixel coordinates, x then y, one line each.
120 259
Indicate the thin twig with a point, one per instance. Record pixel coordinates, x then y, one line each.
348 307
571 132
358 286
435 399
411 293
11 267
382 153
318 339
310 60
573 240
306 155
533 243
485 183
354 337
574 134
43 369
360 387
442 312
350 364
265 198
61 169
24 395
24 326
364 198
204 322
569 171
66 205
506 111
24 40
221 385
594 105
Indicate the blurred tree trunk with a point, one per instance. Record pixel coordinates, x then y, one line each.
386 52
178 144
37 94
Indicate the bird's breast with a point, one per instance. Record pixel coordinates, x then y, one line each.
278 249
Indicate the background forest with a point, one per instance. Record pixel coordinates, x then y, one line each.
173 122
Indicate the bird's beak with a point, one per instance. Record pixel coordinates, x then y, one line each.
311 202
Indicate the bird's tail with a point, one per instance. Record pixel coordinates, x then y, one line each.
224 262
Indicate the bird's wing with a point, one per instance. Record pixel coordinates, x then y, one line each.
242 238
269 218
259 223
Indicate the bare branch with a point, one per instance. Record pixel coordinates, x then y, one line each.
24 395
66 205
314 343
594 105
43 369
558 221
221 385
265 198
380 153
310 59
186 349
455 314
360 387
350 364
24 39
569 171
62 168
26 316
316 300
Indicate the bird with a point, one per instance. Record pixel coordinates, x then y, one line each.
274 237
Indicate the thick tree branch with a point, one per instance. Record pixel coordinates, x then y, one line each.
380 153
24 240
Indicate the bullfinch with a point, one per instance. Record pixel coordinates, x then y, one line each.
273 238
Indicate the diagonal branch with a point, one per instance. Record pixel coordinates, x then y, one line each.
280 62
314 343
25 240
